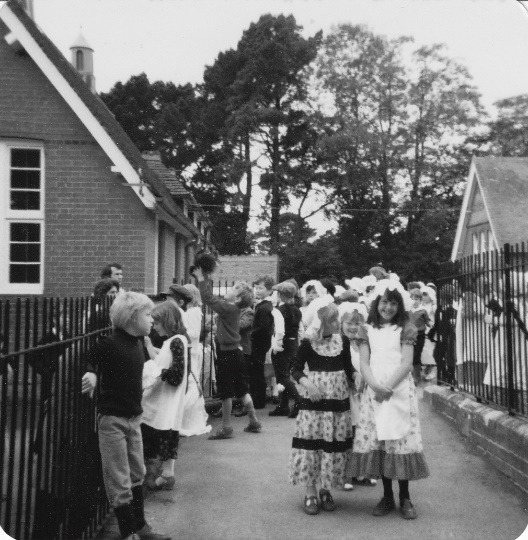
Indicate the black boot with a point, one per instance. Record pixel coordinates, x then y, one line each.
144 531
126 520
294 410
138 506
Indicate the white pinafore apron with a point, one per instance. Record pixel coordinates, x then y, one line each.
393 416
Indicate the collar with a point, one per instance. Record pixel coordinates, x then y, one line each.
268 299
125 335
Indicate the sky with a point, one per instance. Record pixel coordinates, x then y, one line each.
173 40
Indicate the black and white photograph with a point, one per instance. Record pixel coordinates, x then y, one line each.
263 269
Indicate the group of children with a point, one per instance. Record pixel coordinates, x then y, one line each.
359 411
355 405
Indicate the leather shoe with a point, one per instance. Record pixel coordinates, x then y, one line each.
294 411
280 411
222 433
407 510
311 505
384 507
146 533
327 502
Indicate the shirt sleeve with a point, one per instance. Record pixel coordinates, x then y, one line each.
194 323
297 369
98 355
246 318
409 334
217 304
347 358
362 335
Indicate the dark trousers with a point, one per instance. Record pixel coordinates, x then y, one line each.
282 364
418 348
257 381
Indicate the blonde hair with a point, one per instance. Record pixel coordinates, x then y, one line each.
126 306
196 300
327 315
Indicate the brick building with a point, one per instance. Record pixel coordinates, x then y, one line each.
247 267
76 192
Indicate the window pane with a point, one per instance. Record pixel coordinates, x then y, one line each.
25 252
24 157
24 273
25 179
25 200
25 232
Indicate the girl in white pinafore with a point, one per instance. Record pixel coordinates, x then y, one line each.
164 386
194 415
388 442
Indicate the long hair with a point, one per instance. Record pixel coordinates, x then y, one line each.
401 315
327 315
168 314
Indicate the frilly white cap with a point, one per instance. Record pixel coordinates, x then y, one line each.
356 284
321 291
394 276
351 307
339 291
391 285
430 292
311 318
369 280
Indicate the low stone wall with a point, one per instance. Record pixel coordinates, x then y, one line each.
502 438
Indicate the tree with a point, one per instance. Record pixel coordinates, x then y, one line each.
508 134
394 138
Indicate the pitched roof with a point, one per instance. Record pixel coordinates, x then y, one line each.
168 176
97 108
504 185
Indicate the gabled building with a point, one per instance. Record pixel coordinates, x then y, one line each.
76 193
494 207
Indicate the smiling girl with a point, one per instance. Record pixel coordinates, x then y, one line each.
388 442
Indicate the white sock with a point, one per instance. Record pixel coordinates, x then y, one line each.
167 468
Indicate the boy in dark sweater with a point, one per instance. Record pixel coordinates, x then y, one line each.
118 360
231 379
282 360
261 335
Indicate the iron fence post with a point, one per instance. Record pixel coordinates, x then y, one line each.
507 270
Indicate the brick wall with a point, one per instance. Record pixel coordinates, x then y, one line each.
247 267
90 217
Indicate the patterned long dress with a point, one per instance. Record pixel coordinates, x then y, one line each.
322 440
388 439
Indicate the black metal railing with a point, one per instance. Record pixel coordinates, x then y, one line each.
482 327
50 471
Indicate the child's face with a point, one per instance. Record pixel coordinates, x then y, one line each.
311 295
160 329
416 298
387 309
143 322
261 291
426 299
350 328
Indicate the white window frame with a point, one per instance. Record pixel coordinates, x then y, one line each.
8 216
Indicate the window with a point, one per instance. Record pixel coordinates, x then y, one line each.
475 244
21 218
483 241
79 61
490 241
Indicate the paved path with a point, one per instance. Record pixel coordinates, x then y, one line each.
238 489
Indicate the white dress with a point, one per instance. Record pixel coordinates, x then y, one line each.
194 416
162 403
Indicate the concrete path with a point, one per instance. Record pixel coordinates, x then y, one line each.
238 489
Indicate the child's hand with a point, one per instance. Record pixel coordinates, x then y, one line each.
198 274
382 393
89 381
313 392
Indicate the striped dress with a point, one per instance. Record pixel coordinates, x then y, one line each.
322 440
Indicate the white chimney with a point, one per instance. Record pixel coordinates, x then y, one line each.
82 60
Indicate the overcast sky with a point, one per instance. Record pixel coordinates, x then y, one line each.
173 40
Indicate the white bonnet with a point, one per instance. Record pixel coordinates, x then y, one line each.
369 280
350 307
391 285
339 291
319 289
356 284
